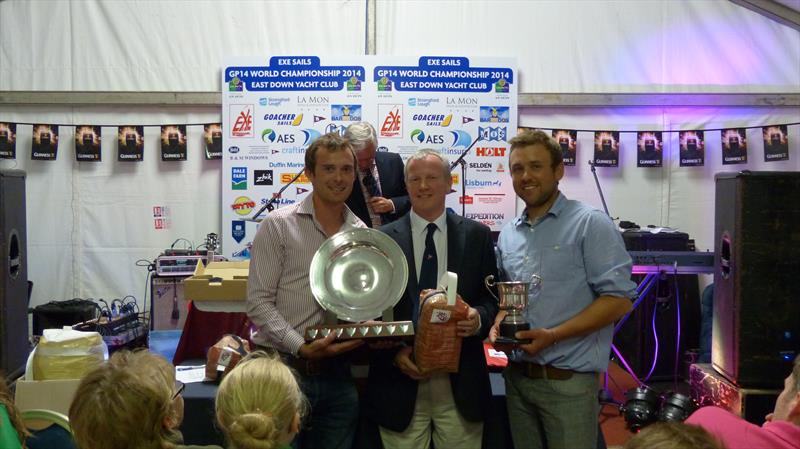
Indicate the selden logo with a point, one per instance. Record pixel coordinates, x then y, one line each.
262 177
392 120
243 121
238 178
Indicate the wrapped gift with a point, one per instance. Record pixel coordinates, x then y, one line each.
437 347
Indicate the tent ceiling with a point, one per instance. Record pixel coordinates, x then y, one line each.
786 12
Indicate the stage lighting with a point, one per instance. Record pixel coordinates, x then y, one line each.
641 408
676 407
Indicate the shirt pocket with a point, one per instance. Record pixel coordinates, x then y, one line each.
560 263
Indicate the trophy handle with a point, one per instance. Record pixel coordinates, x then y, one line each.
489 282
536 281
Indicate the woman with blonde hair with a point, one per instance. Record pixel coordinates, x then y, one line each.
259 403
130 402
12 431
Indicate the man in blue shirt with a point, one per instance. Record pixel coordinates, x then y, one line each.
552 382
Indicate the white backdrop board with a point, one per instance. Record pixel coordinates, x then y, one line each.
274 107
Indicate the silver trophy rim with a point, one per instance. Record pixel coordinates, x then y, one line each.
354 248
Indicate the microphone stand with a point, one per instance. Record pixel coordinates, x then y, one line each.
270 204
599 190
463 163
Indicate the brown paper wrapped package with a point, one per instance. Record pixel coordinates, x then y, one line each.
437 348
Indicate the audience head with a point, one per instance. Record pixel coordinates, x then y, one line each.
787 406
673 435
13 414
259 403
131 401
364 141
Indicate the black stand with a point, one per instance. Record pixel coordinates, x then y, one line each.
463 163
599 189
270 205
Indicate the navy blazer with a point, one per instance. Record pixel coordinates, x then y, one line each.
391 395
393 187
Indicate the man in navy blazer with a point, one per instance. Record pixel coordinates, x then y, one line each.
379 193
409 407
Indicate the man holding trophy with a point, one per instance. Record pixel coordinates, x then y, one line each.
573 262
412 406
279 298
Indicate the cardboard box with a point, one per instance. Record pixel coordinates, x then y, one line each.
55 395
219 281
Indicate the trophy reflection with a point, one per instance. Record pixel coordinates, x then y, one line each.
514 300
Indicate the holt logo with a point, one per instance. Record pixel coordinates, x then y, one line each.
490 151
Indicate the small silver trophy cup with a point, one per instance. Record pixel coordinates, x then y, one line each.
514 300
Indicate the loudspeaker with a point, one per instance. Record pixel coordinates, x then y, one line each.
14 346
756 328
651 332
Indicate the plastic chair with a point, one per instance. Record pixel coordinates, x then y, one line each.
49 430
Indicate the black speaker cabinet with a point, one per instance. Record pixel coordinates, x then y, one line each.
756 330
14 346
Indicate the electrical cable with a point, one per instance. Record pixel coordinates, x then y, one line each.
678 338
655 337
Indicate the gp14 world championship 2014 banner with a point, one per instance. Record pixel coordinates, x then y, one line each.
274 107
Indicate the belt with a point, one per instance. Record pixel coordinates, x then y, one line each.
536 371
306 367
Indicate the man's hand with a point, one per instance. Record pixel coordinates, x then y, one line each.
403 361
325 347
470 326
381 205
494 332
541 339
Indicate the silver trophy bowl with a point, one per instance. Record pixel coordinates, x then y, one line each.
513 299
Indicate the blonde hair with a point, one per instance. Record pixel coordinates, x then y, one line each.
123 404
673 435
13 414
257 401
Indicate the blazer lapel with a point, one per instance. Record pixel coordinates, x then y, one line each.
402 235
456 242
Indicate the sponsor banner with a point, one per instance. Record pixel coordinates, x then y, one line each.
130 143
87 143
734 146
275 106
8 140
173 143
568 141
212 137
649 149
44 144
776 142
606 148
691 148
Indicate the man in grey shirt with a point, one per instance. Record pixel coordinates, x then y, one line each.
279 299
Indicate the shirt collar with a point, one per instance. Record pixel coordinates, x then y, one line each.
419 224
555 210
306 207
